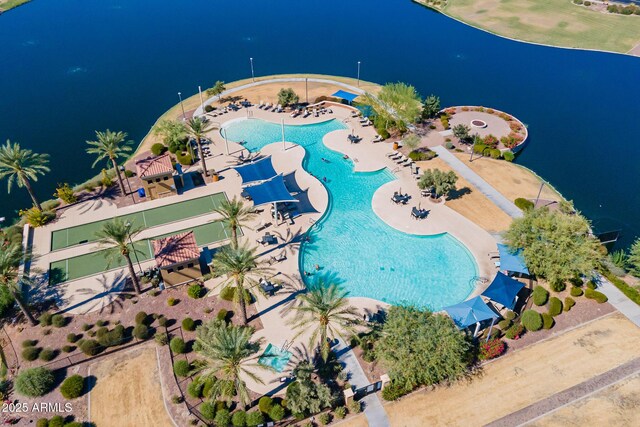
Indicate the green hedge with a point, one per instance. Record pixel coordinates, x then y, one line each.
196 291
178 345
532 320
555 306
34 382
576 291
547 321
523 204
188 324
422 154
516 330
540 296
158 148
568 303
182 368
632 293
72 387
598 296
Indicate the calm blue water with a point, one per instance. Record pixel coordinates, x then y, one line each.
275 357
351 244
70 67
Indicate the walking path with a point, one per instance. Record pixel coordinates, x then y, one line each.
568 396
619 300
483 186
373 410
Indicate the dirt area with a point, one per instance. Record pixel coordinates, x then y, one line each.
616 405
128 392
471 203
525 377
510 179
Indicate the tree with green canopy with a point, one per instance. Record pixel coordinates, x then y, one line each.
243 270
556 246
11 255
230 354
22 166
462 132
197 128
216 89
174 134
111 146
431 106
422 348
633 259
116 237
441 182
304 395
287 97
234 214
397 104
325 310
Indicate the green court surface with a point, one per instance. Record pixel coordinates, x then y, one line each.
86 233
96 262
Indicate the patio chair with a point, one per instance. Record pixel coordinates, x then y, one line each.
415 213
277 259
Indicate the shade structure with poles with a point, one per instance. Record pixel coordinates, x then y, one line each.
473 311
504 290
348 96
261 170
512 260
271 191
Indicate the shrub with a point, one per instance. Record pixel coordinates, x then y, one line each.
591 285
29 343
505 324
223 418
492 349
141 332
65 193
178 346
598 296
547 321
161 338
86 327
58 320
555 306
162 321
45 319
188 324
194 389
56 421
449 145
100 323
208 410
48 354
532 320
515 331
508 156
42 422
558 286
68 348
182 368
208 108
587 3
540 295
340 412
254 418
113 337
479 148
523 204
31 353
239 419
568 303
195 291
393 392
171 301
422 154
495 153
490 141
72 387
35 217
72 338
222 315
90 347
142 318
265 403
73 424
576 291
184 158
276 412
34 382
510 315
158 148
324 418
227 293
355 407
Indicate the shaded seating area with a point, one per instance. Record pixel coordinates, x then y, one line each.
257 171
347 96
399 198
267 287
474 311
511 261
267 239
418 213
273 191
504 290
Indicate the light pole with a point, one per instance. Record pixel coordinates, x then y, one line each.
284 146
184 116
226 141
133 249
253 77
358 73
306 89
201 100
535 205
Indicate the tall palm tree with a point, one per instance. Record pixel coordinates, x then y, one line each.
197 128
22 166
10 258
241 266
325 310
116 236
110 146
234 215
230 354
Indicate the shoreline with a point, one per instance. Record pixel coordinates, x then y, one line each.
443 12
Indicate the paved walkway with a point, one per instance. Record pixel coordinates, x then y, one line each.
373 409
619 300
483 186
568 396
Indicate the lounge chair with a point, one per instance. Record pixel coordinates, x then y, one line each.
267 287
267 106
277 259
354 114
261 105
307 113
415 213
378 138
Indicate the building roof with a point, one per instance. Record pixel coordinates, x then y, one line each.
154 165
176 249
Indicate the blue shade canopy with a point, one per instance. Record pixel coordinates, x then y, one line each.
503 290
345 95
470 312
512 260
261 170
271 191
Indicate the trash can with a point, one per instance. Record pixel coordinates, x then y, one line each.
141 192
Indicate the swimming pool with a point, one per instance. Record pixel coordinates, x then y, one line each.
275 357
352 244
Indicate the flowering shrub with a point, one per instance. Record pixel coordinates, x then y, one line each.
505 116
492 349
480 109
515 126
491 110
465 108
490 141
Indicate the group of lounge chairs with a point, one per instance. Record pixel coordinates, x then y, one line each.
354 139
267 239
276 108
232 106
399 198
268 287
417 213
400 158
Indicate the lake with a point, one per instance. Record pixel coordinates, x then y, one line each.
70 67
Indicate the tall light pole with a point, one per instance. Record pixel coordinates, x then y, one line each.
226 141
358 73
184 116
201 100
284 146
253 77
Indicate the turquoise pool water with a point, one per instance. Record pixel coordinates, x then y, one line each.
352 244
275 357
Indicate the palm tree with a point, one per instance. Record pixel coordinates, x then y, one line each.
197 128
116 236
229 354
10 258
234 215
325 310
241 266
110 146
22 166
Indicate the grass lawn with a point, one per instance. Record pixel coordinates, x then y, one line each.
553 22
10 4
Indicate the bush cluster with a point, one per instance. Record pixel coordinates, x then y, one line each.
178 346
111 338
532 320
142 331
393 391
45 319
576 291
568 303
277 412
239 418
48 354
90 347
595 295
184 158
540 296
72 387
188 324
58 320
555 306
515 331
547 321
158 148
196 291
422 154
182 368
492 349
34 382
254 418
523 204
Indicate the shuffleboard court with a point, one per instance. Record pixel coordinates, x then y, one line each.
86 233
97 262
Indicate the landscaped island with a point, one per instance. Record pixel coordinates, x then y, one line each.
559 23
6 5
